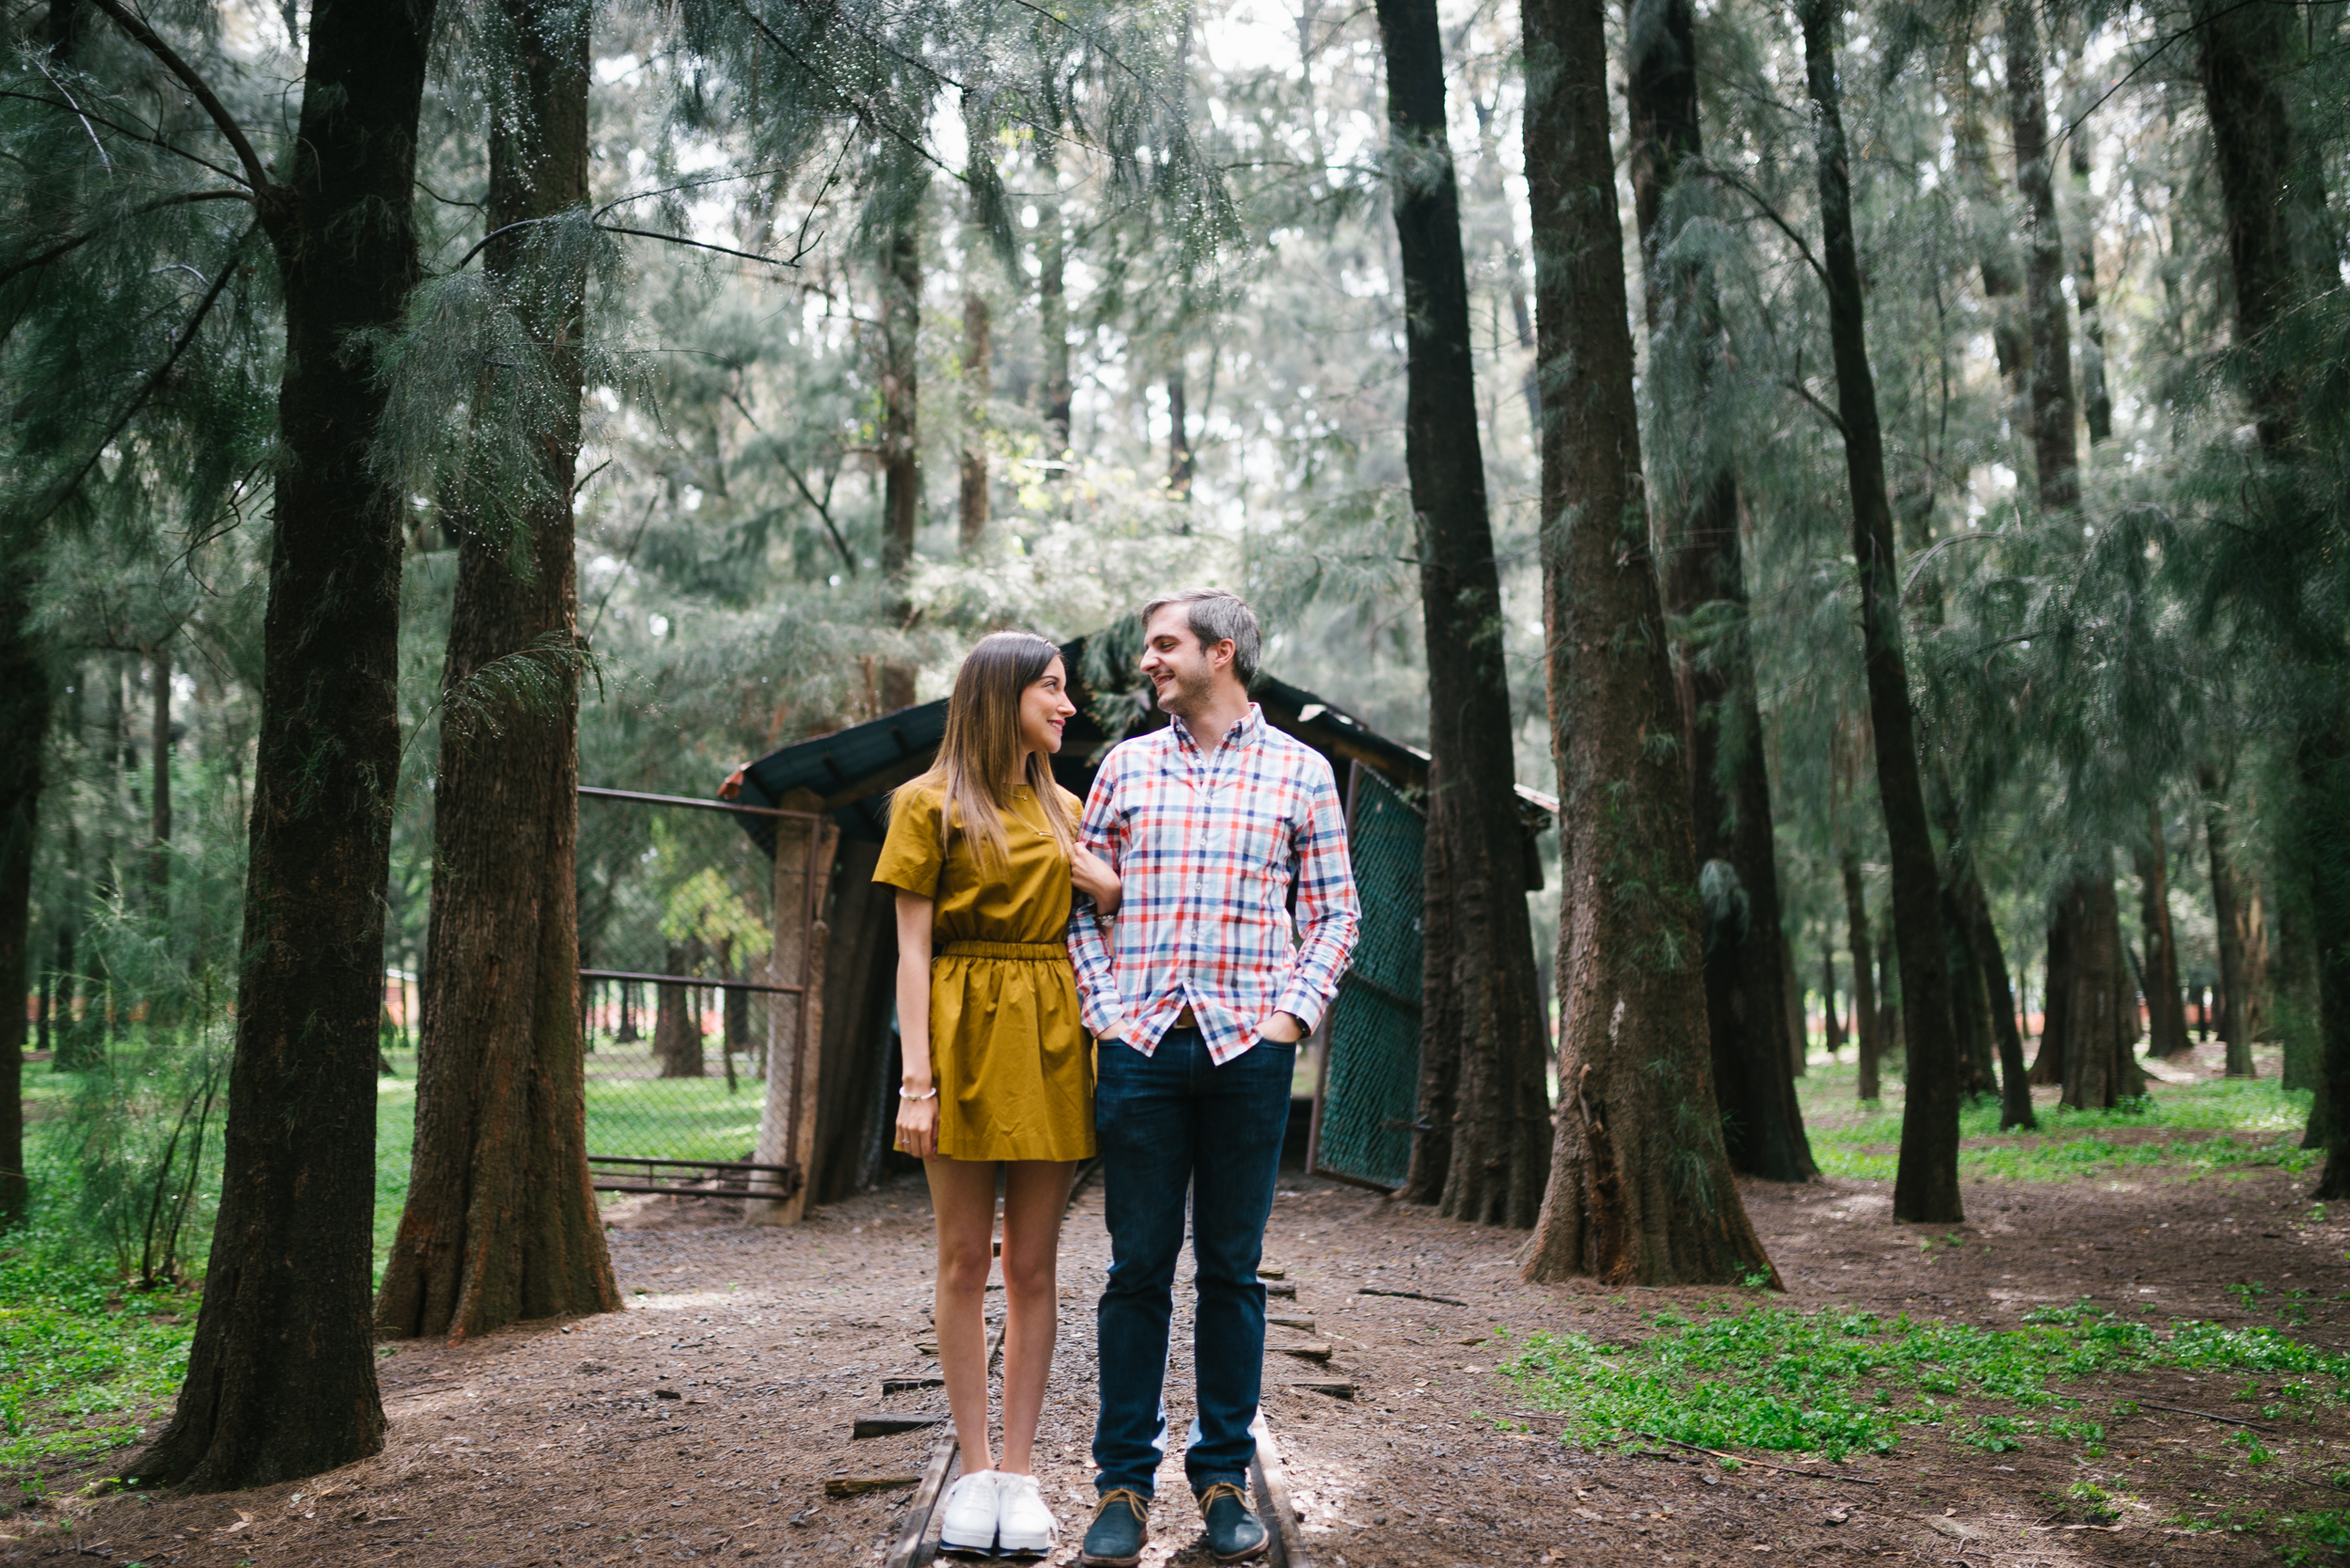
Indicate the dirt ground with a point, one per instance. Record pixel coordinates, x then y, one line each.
704 1421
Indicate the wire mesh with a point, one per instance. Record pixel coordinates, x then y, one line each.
1370 1077
670 896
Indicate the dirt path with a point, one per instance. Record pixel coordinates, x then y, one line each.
704 1421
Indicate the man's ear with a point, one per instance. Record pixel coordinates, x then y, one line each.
1222 654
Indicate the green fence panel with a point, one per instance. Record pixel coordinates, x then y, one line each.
1370 1066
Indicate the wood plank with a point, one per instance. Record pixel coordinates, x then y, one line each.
1271 1485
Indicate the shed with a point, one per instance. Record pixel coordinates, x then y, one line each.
1367 1087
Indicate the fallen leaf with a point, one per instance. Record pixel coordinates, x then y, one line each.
1837 1518
1595 1519
1953 1528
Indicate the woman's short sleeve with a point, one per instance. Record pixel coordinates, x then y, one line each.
911 855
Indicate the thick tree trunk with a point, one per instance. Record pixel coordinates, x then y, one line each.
1730 790
25 694
1641 1189
1970 1009
1864 998
902 467
1501 1157
2165 1008
2056 449
501 1221
1925 1186
2245 55
2322 766
979 368
281 1375
2100 1068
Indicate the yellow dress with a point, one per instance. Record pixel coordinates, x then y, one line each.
1013 1065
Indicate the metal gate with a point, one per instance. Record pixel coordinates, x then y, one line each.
696 955
1367 1093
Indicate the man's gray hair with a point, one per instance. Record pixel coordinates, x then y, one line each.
1215 616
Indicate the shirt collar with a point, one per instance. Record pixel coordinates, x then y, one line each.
1244 733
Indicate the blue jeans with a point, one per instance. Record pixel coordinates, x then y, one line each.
1174 1124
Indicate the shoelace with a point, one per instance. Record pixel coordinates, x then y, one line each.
1221 1489
1133 1500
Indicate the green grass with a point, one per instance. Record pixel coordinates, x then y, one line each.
1834 1382
2250 1123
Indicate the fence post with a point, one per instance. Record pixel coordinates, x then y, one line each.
786 1118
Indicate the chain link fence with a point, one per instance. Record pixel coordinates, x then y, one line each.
677 922
1371 1065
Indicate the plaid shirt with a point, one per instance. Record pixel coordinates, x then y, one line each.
1208 848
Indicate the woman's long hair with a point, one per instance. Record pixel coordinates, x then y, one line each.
981 751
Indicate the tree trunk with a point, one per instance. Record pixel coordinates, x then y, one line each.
1177 436
24 697
501 1221
2165 1008
2322 769
676 1033
281 1374
2096 402
1834 1025
2056 450
2100 1068
2015 1081
1052 298
1641 1189
2056 995
1864 1000
1500 1155
2236 982
159 786
1970 1009
1439 1022
902 468
979 368
1925 1188
1697 518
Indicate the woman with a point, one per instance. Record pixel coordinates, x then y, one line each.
982 851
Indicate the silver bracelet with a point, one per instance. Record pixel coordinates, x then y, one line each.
929 1093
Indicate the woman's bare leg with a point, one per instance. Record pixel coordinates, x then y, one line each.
963 1197
1036 1197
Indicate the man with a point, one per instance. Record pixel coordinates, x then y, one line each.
1212 823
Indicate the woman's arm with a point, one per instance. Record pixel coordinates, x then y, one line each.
918 1119
1094 877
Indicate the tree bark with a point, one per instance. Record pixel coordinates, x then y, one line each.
2100 1068
1925 1186
281 1374
1833 1027
2322 766
2236 982
24 697
501 1223
1970 1010
2096 402
2166 1008
2056 995
2056 449
2014 1080
979 368
1052 294
677 1033
1178 435
1501 1155
1641 1189
158 782
1864 999
1439 1022
901 466
1730 790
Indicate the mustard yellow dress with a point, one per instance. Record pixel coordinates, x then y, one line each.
1013 1063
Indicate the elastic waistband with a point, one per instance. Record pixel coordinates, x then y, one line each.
1031 951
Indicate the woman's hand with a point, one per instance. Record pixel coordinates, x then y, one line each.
918 1125
1092 877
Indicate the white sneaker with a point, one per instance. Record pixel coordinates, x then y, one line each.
969 1522
1024 1524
